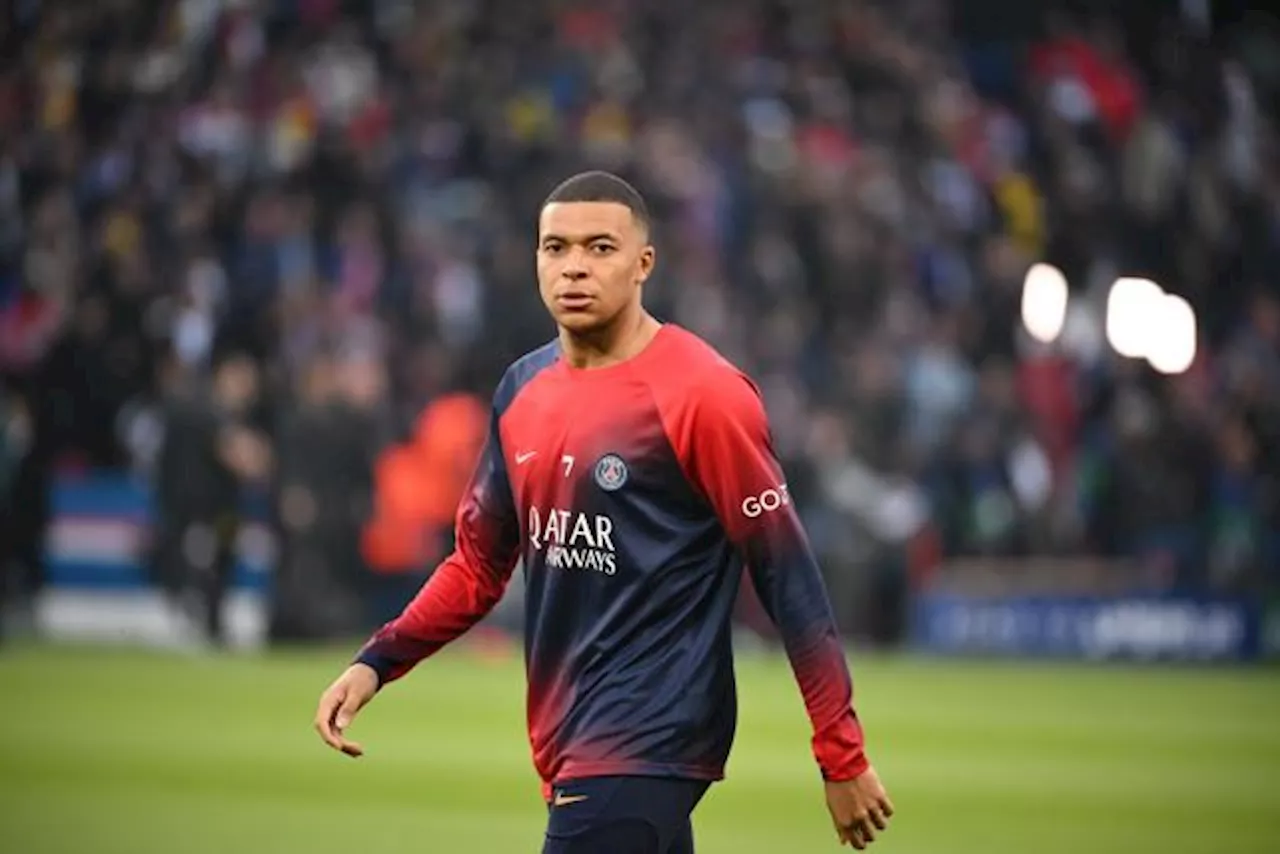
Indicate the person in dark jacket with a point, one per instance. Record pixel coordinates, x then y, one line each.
211 451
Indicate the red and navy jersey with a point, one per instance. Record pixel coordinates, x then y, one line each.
633 495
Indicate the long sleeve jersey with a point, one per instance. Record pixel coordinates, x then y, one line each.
633 495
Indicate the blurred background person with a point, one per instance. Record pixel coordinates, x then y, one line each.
214 447
330 435
15 443
418 486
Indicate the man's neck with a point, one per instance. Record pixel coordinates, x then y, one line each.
620 341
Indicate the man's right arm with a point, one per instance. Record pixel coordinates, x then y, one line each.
467 584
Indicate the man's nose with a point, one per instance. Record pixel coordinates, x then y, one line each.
575 265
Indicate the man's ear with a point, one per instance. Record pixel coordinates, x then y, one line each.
648 257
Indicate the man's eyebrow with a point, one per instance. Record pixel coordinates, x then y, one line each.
590 238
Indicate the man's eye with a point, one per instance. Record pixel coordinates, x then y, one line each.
602 248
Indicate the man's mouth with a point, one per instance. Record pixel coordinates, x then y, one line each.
574 300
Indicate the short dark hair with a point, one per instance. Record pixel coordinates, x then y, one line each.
600 186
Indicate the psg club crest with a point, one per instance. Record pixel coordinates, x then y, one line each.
611 473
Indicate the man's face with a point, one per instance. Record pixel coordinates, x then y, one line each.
592 259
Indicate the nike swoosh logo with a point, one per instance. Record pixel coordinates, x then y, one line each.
563 800
524 457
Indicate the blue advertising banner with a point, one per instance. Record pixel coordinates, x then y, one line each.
100 534
1088 627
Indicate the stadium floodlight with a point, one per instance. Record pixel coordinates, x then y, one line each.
1044 302
1172 343
1134 307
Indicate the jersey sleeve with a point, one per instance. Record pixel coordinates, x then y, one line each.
468 583
726 448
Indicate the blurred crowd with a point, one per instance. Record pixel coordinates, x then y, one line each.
253 242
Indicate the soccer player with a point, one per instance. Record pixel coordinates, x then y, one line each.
630 467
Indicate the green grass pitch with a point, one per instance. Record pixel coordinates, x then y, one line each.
127 752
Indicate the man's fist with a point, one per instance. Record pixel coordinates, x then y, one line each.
339 704
859 807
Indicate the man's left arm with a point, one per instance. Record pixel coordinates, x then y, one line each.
728 453
730 459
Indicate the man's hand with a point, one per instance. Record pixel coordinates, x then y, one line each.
859 807
339 704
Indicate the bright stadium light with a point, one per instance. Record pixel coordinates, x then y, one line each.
1133 307
1172 345
1044 302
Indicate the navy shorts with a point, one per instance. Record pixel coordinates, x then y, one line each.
622 815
